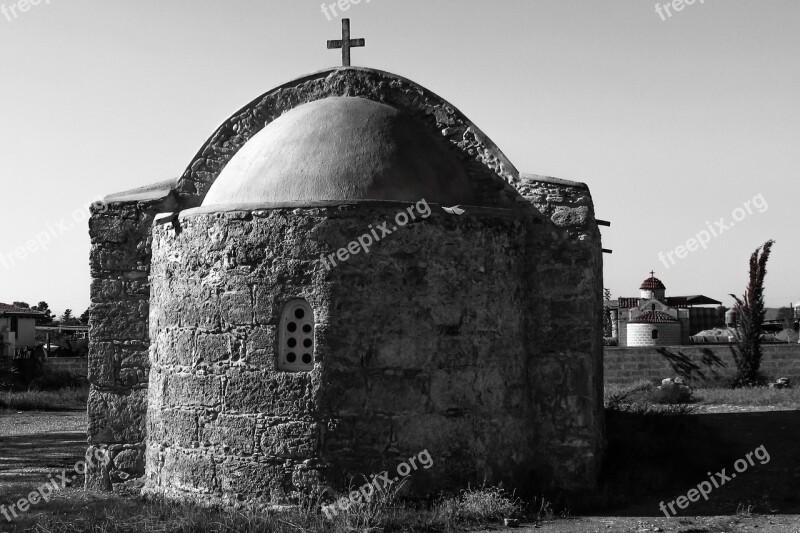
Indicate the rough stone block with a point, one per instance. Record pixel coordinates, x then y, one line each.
131 461
229 434
187 390
260 347
236 307
102 364
216 347
97 472
106 290
397 393
249 479
474 389
119 321
117 417
291 439
190 471
175 346
271 393
115 229
172 427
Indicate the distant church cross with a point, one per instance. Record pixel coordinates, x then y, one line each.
652 274
346 43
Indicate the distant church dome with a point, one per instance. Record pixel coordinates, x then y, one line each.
652 284
341 149
652 288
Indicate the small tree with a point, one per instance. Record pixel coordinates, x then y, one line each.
68 319
786 316
48 315
750 314
607 330
85 317
21 305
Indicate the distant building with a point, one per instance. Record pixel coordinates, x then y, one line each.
654 319
17 329
779 326
776 319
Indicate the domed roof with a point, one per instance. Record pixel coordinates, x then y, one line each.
653 317
651 284
340 149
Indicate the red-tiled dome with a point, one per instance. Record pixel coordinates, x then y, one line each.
653 317
651 284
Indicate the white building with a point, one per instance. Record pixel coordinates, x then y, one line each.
17 329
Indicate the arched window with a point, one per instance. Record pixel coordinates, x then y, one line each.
654 334
296 337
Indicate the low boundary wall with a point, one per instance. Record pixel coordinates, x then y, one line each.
74 366
625 366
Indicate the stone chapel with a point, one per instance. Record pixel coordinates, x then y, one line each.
230 361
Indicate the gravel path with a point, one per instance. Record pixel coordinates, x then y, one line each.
34 446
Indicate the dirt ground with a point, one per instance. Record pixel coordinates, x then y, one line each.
706 524
36 446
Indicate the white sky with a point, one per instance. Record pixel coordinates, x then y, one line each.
672 123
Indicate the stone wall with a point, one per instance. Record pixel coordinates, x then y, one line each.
425 343
625 366
118 334
565 330
74 366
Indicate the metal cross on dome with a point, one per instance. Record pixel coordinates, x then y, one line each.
346 43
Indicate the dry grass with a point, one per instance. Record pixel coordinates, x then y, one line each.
69 399
80 512
758 396
742 397
486 505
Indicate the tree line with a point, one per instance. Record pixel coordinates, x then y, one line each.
49 319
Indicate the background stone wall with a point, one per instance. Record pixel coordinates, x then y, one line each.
74 366
118 337
625 366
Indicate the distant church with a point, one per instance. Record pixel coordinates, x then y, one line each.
248 344
654 319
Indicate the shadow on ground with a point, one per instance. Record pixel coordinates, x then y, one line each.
658 458
28 461
652 458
